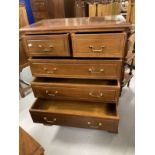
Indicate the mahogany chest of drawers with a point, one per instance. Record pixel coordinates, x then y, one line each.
78 65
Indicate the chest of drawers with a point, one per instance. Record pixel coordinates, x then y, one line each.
78 65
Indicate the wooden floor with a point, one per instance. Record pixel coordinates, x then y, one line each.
58 140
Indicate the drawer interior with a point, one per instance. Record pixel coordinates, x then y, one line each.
76 81
79 108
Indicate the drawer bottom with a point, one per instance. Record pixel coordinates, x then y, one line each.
76 114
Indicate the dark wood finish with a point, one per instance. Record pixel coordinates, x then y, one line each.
39 9
28 145
75 68
47 45
80 88
56 8
80 8
99 45
71 89
38 5
44 9
69 8
74 113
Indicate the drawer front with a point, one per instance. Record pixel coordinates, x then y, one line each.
47 45
94 69
78 92
99 45
76 113
110 125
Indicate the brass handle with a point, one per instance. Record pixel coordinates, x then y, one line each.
100 124
40 46
29 45
51 71
51 94
51 46
97 95
48 49
94 126
92 70
89 123
49 121
96 50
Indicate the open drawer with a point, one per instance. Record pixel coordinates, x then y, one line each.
77 89
76 114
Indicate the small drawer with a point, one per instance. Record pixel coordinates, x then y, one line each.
65 68
105 45
47 45
77 89
76 114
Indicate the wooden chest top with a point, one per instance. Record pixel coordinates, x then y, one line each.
77 24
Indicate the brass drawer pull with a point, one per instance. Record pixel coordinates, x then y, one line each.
51 71
29 45
96 50
48 49
88 123
51 94
92 70
100 124
97 95
40 46
50 46
49 121
93 126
